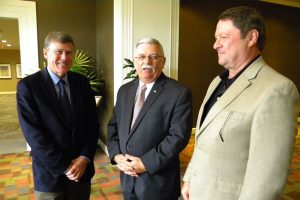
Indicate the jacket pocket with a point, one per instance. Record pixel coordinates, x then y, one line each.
230 116
228 186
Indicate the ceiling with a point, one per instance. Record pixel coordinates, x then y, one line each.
9 31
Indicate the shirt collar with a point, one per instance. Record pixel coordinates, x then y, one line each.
55 78
149 85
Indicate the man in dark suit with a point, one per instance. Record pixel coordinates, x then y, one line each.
146 146
63 143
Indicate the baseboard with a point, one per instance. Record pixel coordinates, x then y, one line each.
103 146
8 92
193 131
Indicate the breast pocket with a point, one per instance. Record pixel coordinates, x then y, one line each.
231 120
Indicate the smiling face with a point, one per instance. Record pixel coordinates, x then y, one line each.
232 49
59 57
149 62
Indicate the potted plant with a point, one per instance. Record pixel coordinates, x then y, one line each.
86 65
132 73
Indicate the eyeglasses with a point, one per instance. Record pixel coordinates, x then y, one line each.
152 57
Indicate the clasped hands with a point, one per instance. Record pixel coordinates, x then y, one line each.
130 165
77 168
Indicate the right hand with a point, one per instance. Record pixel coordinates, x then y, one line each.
185 191
124 165
77 168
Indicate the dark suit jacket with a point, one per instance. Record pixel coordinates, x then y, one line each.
161 130
53 144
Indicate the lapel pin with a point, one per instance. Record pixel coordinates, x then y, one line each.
154 91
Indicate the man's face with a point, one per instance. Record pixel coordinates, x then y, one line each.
232 49
59 57
149 62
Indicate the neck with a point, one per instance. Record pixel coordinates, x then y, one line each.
234 71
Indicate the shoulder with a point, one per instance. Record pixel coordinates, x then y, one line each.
261 71
32 78
173 85
268 82
128 85
77 76
273 78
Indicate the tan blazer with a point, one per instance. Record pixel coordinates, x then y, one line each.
256 118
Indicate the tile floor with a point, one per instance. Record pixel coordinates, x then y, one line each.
16 176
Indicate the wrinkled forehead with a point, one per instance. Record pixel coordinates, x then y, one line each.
148 48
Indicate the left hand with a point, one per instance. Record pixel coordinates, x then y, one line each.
77 168
136 164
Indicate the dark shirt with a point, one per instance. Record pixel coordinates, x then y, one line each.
221 89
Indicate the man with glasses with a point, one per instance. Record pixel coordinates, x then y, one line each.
150 125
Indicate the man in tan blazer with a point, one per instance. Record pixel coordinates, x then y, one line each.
247 123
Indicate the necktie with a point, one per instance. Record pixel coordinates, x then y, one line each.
139 103
65 106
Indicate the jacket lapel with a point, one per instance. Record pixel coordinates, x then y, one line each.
156 90
240 84
210 90
49 89
130 102
74 86
232 92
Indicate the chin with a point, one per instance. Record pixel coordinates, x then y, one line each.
222 64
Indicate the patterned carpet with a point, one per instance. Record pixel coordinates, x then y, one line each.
16 176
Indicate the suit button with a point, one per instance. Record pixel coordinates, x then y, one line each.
128 146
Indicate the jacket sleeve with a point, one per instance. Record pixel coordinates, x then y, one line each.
92 126
179 132
113 145
272 138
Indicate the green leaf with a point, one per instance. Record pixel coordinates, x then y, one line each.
86 65
132 73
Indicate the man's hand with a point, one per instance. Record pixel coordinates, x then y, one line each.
185 191
124 165
136 163
77 168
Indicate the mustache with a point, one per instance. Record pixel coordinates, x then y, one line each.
145 66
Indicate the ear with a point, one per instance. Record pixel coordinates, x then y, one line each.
164 61
252 37
45 53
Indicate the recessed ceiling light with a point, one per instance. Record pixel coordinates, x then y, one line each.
4 41
9 45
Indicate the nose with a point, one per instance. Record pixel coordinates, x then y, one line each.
147 60
216 44
64 55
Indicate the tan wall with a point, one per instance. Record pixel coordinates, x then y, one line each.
11 57
76 17
197 59
105 36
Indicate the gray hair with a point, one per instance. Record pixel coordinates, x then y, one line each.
151 41
57 36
